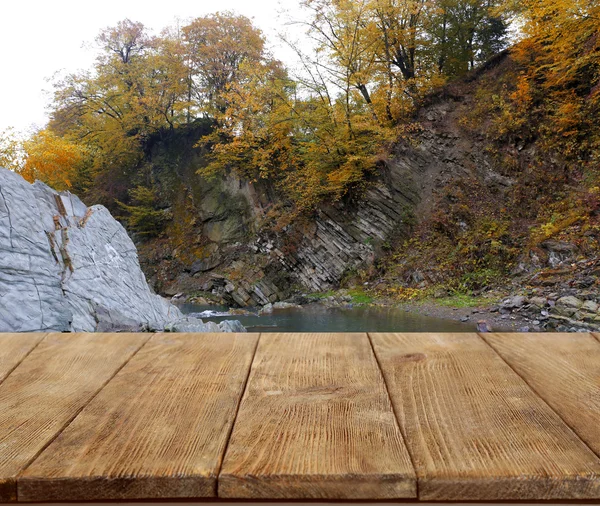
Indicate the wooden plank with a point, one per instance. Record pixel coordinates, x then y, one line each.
563 369
316 423
14 348
474 429
157 430
43 394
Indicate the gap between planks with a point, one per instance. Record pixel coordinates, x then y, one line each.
22 359
536 392
237 411
535 398
68 422
387 390
292 473
243 375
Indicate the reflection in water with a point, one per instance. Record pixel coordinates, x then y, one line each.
316 318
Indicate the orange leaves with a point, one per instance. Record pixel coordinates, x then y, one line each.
53 160
551 92
562 40
560 61
568 118
523 92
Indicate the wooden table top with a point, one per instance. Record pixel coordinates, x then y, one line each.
338 416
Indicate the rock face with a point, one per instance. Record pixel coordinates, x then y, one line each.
350 235
261 263
338 239
67 267
346 236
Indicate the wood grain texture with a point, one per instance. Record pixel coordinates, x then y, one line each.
316 423
563 369
49 388
157 430
14 348
474 429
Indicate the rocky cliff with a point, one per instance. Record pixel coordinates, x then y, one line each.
230 254
68 267
478 206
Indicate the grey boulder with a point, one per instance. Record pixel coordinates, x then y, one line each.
68 267
193 324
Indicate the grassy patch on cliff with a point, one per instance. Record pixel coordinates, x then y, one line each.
462 300
359 296
321 295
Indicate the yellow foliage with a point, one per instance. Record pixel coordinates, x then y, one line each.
403 294
11 150
309 148
53 160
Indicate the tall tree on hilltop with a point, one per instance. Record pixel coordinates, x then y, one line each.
218 45
123 42
136 89
465 33
400 24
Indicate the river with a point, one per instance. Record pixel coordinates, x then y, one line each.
317 318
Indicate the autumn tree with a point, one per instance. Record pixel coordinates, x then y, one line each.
401 25
310 142
465 33
396 51
11 150
218 46
53 160
142 215
316 134
561 40
136 90
556 94
142 86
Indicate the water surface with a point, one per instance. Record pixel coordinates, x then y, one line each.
317 318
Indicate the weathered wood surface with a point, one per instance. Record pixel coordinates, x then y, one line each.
14 348
316 422
474 429
42 395
157 430
99 417
564 369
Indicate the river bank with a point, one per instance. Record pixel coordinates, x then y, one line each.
476 314
316 317
491 318
354 311
522 309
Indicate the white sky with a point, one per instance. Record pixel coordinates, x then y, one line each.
41 37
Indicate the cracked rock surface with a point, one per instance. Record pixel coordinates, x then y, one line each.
67 267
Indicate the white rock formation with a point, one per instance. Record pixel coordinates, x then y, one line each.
67 267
